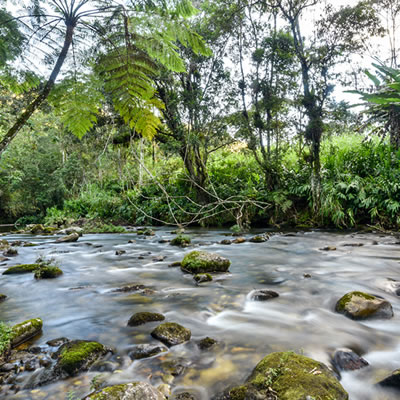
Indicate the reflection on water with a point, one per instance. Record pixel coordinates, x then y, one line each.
83 304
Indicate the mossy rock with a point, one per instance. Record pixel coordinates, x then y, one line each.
200 278
359 306
141 318
2 297
206 343
128 391
392 381
259 238
21 269
25 331
47 272
181 240
289 376
200 261
146 350
78 355
4 244
171 333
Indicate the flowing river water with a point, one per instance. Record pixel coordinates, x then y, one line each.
81 304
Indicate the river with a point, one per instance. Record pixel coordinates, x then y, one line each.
81 304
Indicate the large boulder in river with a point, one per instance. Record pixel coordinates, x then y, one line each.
201 261
21 269
289 376
73 237
171 333
25 330
47 272
359 305
128 391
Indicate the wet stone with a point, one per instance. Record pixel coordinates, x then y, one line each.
348 360
73 237
239 240
226 241
184 396
260 238
171 333
146 350
133 287
159 258
141 318
328 248
206 343
263 295
120 252
57 342
392 381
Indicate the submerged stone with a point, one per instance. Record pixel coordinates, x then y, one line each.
263 295
141 318
2 297
347 360
25 330
289 376
47 272
128 391
171 333
11 252
201 261
359 305
206 343
146 350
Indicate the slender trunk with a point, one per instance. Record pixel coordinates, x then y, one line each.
32 107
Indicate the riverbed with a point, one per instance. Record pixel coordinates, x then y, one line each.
83 304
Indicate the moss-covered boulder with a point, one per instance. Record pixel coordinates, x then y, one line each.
37 229
200 278
21 269
206 343
25 331
73 237
201 261
141 318
359 305
78 355
181 240
171 333
47 272
392 381
289 376
128 391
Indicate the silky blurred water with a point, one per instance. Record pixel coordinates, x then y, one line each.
81 304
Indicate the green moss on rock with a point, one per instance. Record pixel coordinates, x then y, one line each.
171 333
128 391
78 355
47 272
200 261
359 305
200 278
181 240
21 269
289 376
141 318
25 331
2 297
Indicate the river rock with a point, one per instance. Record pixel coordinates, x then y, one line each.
37 229
259 238
239 240
71 229
21 269
2 259
174 264
73 237
201 261
347 360
120 252
184 396
206 343
77 356
289 376
171 333
226 241
4 244
128 391
200 278
47 272
2 297
141 318
25 330
146 350
392 381
10 252
133 287
263 295
181 240
328 248
359 305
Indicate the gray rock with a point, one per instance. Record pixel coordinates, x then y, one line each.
141 318
347 360
171 333
128 391
146 350
263 295
73 237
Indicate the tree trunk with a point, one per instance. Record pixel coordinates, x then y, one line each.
35 104
394 118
